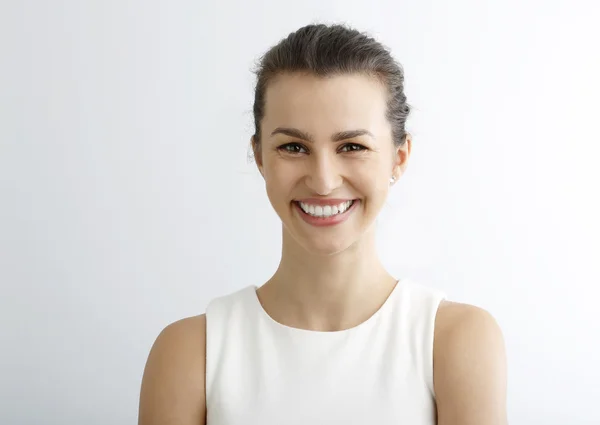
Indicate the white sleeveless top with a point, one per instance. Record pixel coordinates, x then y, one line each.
261 372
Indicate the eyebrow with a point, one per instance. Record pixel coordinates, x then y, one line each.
341 135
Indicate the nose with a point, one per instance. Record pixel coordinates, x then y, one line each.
323 174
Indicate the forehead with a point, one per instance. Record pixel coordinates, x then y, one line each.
326 104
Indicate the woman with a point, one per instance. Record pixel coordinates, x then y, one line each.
332 337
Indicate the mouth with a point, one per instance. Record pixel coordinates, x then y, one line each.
325 211
325 214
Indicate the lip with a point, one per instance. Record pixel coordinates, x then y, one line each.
323 202
326 221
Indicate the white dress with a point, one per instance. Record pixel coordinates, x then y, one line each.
261 372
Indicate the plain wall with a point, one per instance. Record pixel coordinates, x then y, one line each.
128 200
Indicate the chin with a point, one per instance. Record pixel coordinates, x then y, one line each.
326 247
325 240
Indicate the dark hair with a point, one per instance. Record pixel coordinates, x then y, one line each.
328 51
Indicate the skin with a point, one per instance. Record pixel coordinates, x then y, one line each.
330 278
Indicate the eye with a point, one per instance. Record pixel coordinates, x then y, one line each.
352 147
293 148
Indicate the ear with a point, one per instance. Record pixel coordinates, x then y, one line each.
256 149
401 157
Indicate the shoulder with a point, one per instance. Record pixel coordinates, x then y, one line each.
181 340
469 366
457 319
173 383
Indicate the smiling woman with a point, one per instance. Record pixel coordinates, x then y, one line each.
331 337
332 144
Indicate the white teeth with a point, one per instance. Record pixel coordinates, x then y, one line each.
325 211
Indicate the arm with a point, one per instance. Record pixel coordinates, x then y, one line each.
469 367
173 385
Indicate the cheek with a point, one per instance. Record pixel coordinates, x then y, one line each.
280 179
372 179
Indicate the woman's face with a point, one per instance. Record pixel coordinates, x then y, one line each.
327 157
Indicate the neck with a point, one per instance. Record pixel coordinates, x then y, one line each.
335 291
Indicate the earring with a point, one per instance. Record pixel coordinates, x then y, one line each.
392 179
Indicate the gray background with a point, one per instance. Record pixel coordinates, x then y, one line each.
128 201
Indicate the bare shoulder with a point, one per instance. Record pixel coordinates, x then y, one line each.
457 317
469 366
173 388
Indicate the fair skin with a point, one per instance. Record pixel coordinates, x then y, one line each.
325 138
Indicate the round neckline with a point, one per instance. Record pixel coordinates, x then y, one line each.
367 322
